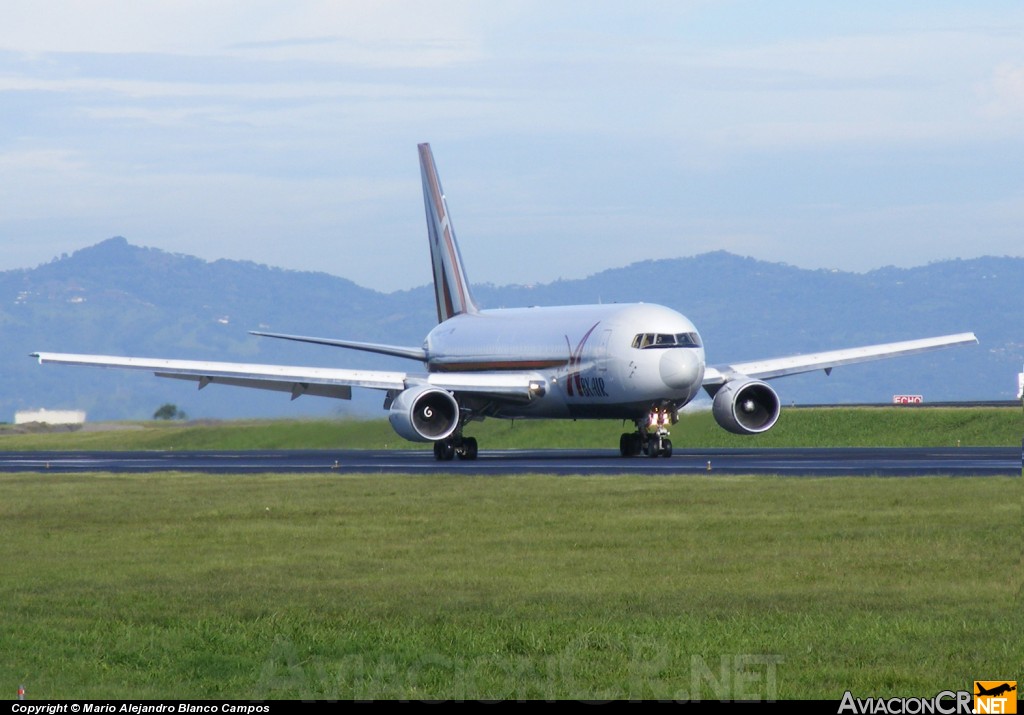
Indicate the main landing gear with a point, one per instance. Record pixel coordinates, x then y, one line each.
456 445
644 441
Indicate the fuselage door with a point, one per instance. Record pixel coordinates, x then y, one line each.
601 351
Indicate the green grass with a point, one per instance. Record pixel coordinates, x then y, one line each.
462 587
806 427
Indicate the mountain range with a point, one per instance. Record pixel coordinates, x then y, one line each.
121 299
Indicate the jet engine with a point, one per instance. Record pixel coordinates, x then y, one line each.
424 414
746 407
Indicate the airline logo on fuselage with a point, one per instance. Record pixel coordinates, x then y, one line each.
577 384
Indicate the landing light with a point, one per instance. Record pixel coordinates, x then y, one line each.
659 417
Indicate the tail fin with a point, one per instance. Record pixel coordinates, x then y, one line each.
451 289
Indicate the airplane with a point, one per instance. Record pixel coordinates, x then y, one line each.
634 362
996 691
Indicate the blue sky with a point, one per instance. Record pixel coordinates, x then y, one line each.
570 136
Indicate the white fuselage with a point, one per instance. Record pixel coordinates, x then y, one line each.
596 361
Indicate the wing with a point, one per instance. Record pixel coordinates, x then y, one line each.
716 375
319 381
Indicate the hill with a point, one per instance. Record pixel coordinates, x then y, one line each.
118 298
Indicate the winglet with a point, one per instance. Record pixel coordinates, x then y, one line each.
451 289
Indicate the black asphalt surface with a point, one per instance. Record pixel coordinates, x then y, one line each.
893 462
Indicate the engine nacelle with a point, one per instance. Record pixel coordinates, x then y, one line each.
746 407
424 414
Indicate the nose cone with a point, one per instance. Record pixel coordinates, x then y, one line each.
681 369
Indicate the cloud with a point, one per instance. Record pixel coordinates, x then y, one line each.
386 33
1004 92
577 123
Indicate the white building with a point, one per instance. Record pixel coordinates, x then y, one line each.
50 417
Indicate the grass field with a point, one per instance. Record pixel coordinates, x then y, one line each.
461 587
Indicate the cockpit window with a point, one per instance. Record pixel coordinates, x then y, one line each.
643 341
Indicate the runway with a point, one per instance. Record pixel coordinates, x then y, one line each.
891 462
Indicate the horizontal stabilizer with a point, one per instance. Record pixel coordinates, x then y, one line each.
393 350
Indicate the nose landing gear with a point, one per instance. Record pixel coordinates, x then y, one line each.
645 441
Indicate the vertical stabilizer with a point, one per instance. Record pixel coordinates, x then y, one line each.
451 289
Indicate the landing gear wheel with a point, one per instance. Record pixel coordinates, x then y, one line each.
652 447
659 447
468 448
630 444
444 450
666 448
